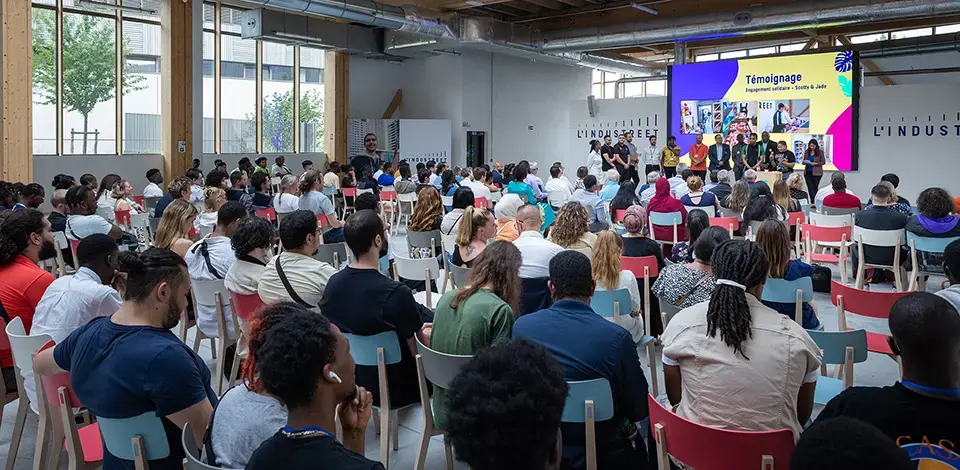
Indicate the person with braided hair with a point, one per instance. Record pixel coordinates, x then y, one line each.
735 363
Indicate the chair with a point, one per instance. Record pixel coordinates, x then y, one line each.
322 221
60 402
106 213
667 311
150 205
447 201
425 270
448 243
892 239
380 350
60 239
665 219
835 220
431 239
706 448
352 193
868 304
141 221
796 219
495 196
332 254
404 200
726 212
22 348
646 268
243 307
843 349
534 295
206 230
138 200
154 227
140 438
439 369
619 215
268 213
927 245
783 291
122 218
589 401
210 293
388 205
732 224
838 211
460 275
275 184
752 227
610 303
481 203
710 210
813 234
192 451
73 249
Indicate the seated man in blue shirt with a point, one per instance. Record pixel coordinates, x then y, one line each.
591 347
597 216
386 179
130 363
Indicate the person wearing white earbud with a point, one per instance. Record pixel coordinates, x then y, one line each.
305 362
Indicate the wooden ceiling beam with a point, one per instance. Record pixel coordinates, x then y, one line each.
549 4
525 6
575 3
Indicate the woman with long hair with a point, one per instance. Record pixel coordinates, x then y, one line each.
519 186
104 198
664 202
122 195
462 199
594 160
774 240
798 189
738 198
427 216
213 199
506 214
781 195
479 312
476 228
448 183
571 230
813 161
697 222
173 233
608 276
626 196
734 342
762 206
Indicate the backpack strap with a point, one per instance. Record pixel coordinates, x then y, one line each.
205 252
210 458
286 285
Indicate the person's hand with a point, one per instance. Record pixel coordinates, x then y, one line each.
426 331
635 314
356 413
119 282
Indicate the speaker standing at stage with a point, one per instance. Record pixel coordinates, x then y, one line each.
719 154
651 157
698 158
670 158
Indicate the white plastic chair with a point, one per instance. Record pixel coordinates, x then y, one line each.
449 242
275 184
60 239
447 201
880 238
213 293
419 270
23 347
405 204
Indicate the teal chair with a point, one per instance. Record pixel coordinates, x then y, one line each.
782 291
843 349
927 245
611 303
589 401
140 438
665 219
380 350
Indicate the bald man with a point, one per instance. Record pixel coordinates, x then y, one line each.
535 250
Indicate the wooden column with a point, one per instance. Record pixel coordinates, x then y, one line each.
176 24
336 93
16 131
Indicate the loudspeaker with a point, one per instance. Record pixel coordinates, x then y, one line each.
592 106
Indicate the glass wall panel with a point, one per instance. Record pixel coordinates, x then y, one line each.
141 78
311 100
277 98
44 82
89 84
238 106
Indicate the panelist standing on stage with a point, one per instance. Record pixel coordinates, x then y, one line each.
698 158
719 154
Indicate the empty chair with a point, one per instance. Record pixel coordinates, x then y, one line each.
783 291
348 205
439 369
425 270
332 253
588 402
866 303
927 245
460 275
212 293
405 204
843 349
814 235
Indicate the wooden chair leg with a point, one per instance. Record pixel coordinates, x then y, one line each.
220 366
421 459
196 340
56 450
385 438
213 345
18 424
395 429
376 421
448 449
234 369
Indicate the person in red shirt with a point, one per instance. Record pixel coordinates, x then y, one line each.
698 158
25 240
840 199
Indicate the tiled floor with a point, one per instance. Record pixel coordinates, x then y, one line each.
877 370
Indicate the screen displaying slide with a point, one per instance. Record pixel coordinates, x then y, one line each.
796 99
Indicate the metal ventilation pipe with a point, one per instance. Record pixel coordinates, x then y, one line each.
367 12
788 17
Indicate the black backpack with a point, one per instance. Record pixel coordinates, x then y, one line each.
822 276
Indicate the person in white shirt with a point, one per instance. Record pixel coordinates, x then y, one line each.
196 186
153 189
678 184
286 200
558 188
72 301
649 189
828 189
83 220
210 259
306 277
213 200
252 244
279 167
535 250
595 160
651 156
331 179
475 183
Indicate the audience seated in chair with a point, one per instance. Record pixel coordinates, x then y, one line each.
261 187
845 444
920 411
951 268
536 250
313 200
238 190
58 221
572 331
83 219
734 342
828 190
841 198
130 363
598 218
475 230
505 408
307 277
213 200
252 244
774 240
697 221
663 202
479 313
685 285
173 231
462 199
880 216
506 214
287 201
179 189
761 206
606 262
362 301
571 230
900 203
304 361
934 220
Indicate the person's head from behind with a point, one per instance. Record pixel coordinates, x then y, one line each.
750 175
229 216
521 171
606 259
366 172
951 262
217 179
32 195
774 239
740 268
423 176
238 180
99 253
404 172
298 232
715 176
795 181
697 222
555 171
299 357
925 333
244 164
213 198
882 194
158 282
781 193
476 225
364 233
310 181
685 173
463 198
253 237
496 268
652 177
935 203
891 178
505 407
106 184
739 196
529 219
635 220
613 177
590 183
58 201
571 277
154 176
480 174
843 443
175 223
26 232
570 225
90 181
836 175
365 201
839 185
260 182
582 172
694 183
81 200
704 246
179 188
63 181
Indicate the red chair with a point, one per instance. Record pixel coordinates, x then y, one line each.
796 218
193 233
57 408
73 249
481 203
138 200
244 307
865 303
706 448
646 268
322 220
267 213
351 193
730 223
620 214
812 234
122 217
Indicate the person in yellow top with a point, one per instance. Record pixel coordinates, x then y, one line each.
670 158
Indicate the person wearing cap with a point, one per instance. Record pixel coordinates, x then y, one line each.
534 181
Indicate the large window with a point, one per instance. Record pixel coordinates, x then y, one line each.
89 84
277 129
311 100
142 103
238 95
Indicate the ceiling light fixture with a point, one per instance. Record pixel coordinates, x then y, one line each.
652 11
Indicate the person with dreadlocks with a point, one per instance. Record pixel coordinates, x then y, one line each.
735 363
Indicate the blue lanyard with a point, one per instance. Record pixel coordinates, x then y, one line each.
317 429
938 391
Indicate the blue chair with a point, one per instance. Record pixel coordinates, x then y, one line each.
380 350
782 291
140 438
611 303
927 245
665 219
589 401
843 349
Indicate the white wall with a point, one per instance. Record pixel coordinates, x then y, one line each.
912 62
645 117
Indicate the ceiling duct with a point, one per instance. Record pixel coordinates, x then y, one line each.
289 28
767 19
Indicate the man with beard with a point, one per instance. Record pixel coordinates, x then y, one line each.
739 153
370 156
294 275
766 149
83 220
362 301
25 240
132 364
